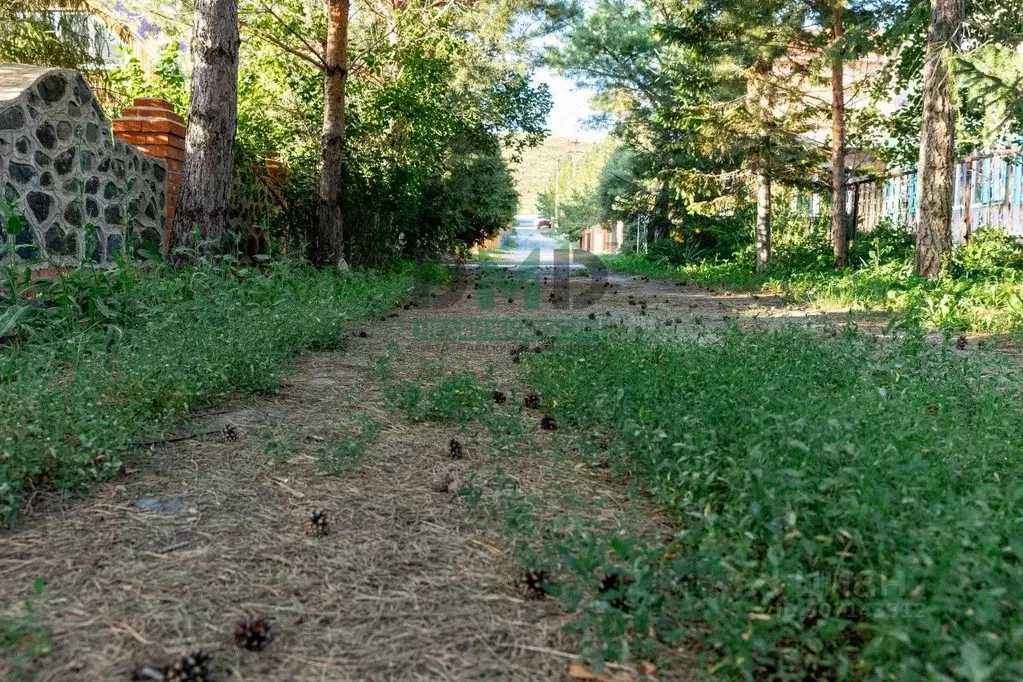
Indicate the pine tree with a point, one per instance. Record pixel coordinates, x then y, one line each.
937 138
203 204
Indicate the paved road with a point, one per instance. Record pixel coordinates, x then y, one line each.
529 241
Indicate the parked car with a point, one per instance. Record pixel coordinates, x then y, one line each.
543 223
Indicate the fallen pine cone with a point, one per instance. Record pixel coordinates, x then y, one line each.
548 423
500 397
253 635
455 449
531 584
230 432
532 401
442 483
193 667
317 524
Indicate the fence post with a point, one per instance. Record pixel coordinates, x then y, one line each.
151 125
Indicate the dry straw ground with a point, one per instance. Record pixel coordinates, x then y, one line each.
407 585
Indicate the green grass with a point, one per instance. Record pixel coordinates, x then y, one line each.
987 305
23 638
844 508
121 356
725 274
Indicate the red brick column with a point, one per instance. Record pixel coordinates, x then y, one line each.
152 126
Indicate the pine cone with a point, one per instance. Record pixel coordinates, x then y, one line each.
549 423
500 397
532 401
613 587
191 668
253 635
455 449
531 584
961 342
317 524
230 432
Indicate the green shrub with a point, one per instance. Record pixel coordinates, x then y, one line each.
844 509
886 243
674 253
989 253
104 360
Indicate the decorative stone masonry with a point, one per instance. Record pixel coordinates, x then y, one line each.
83 194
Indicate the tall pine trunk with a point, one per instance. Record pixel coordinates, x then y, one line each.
937 138
763 219
330 230
839 238
204 201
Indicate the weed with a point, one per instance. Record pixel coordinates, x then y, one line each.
845 508
457 397
23 639
278 442
336 456
104 360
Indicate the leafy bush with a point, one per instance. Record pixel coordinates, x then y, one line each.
844 509
675 253
886 243
990 253
100 361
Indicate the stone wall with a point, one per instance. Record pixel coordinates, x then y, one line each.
64 171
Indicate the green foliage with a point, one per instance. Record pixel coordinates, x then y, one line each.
35 32
982 289
24 638
103 360
538 165
675 253
278 442
169 81
457 397
990 253
336 456
844 509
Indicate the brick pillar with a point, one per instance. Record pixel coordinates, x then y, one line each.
152 126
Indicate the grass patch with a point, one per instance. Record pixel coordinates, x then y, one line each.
100 361
337 455
23 638
456 397
845 509
982 289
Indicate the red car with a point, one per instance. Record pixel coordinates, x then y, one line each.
543 223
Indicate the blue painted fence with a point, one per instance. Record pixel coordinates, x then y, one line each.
988 192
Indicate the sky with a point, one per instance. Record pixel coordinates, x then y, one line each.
571 108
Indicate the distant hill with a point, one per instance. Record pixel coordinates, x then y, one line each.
538 166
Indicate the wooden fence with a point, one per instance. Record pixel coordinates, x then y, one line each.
988 192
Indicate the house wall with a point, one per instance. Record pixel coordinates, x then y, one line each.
601 240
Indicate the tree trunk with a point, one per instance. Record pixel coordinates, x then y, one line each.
839 238
330 232
204 201
937 139
763 219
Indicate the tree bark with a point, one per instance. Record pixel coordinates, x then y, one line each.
839 237
763 219
330 231
937 139
204 199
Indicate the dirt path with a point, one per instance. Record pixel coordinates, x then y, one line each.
410 583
